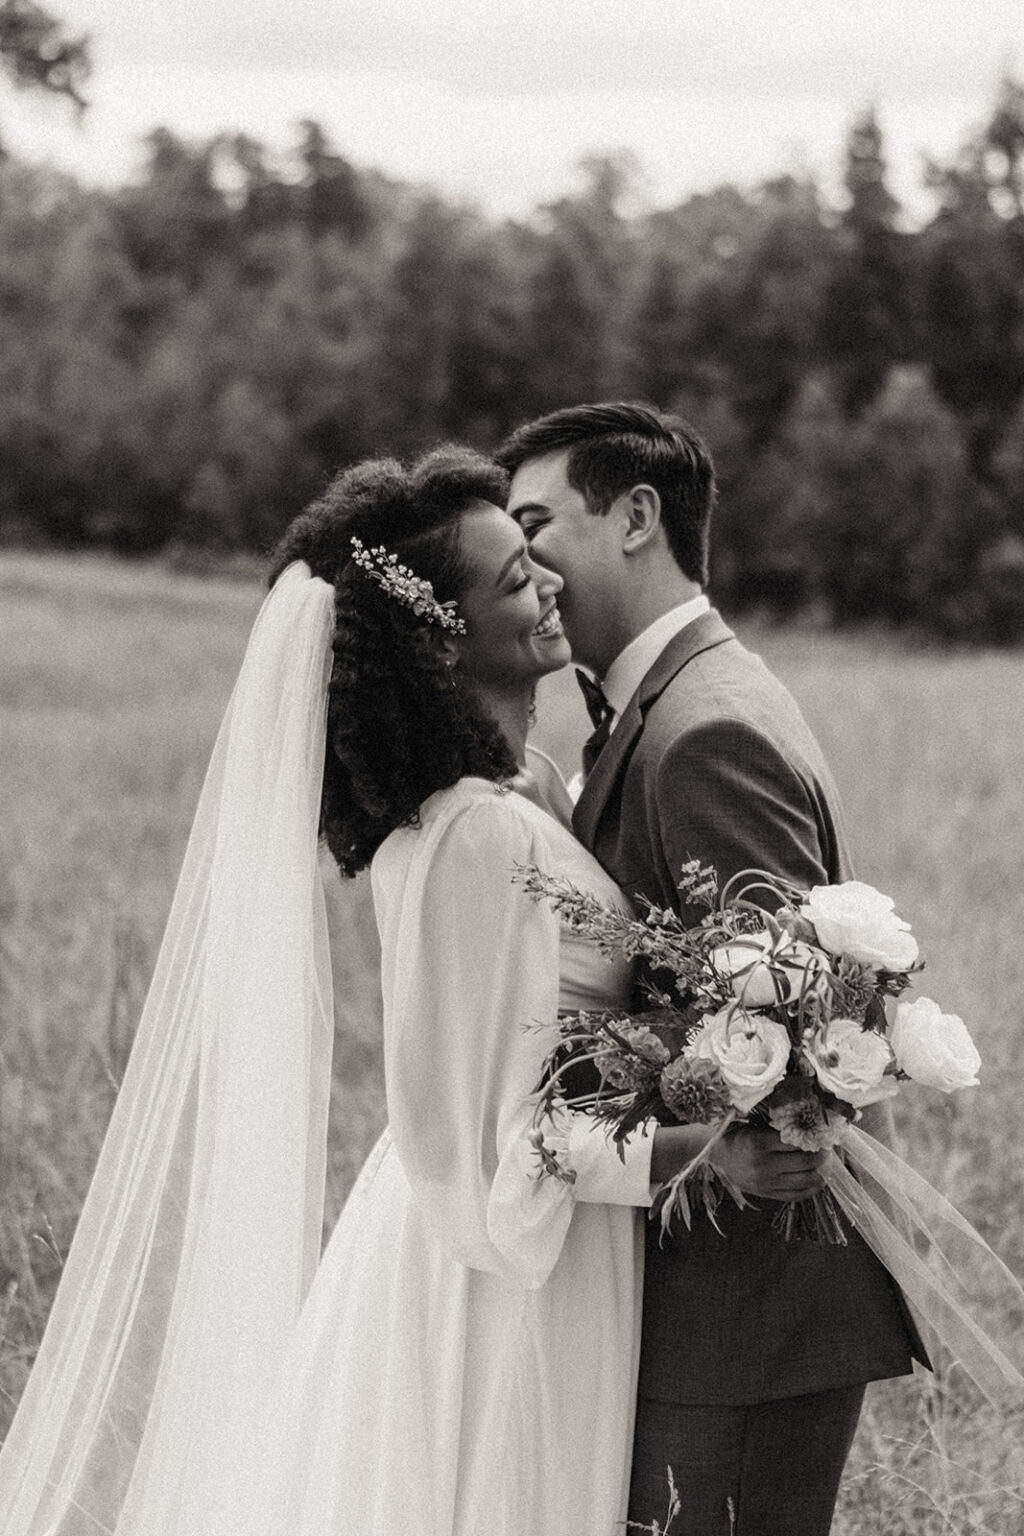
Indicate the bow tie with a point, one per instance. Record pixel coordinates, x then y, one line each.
601 713
594 697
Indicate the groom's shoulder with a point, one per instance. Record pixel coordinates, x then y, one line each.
726 690
726 681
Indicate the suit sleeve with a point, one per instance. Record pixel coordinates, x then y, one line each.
725 795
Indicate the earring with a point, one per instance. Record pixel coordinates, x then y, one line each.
450 667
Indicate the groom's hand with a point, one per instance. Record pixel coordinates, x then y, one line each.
761 1163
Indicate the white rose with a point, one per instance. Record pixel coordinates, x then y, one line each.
933 1047
850 1061
750 1051
763 970
856 920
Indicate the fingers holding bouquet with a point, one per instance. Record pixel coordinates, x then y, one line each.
759 1162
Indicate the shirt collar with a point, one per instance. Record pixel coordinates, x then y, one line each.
631 665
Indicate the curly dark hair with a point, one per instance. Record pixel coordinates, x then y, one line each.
615 444
397 729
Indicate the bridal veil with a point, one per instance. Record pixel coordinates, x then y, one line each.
202 1227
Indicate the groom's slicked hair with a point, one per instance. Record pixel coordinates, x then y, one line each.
615 445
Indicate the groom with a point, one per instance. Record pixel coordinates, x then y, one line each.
755 1351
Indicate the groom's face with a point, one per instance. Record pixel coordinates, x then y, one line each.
584 549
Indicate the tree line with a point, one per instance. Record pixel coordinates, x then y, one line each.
185 360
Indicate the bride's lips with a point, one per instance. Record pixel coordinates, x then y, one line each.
550 626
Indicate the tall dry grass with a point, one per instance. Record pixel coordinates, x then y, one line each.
112 681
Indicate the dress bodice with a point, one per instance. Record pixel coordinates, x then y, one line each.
587 979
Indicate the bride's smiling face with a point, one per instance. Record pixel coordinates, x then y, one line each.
513 629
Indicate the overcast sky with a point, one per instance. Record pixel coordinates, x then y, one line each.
495 100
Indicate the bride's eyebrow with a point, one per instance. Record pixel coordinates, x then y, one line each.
509 563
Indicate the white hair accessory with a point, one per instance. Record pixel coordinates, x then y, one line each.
405 586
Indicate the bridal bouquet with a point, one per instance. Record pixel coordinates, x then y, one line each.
789 1019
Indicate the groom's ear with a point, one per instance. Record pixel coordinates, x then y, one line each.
642 508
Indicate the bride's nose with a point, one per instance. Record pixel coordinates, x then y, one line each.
548 582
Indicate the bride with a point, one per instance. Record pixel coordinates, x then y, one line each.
462 1359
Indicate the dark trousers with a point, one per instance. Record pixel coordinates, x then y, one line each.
768 1470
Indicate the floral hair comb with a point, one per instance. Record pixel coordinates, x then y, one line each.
406 588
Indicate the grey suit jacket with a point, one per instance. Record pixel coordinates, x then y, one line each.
713 760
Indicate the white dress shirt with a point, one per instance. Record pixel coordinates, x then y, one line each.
632 665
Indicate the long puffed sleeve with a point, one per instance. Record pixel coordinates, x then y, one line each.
470 983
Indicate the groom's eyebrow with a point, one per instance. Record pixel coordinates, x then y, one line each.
509 563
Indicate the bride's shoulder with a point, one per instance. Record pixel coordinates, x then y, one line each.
473 810
518 811
488 822
474 833
484 796
479 809
489 829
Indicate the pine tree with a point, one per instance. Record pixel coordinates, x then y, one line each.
865 326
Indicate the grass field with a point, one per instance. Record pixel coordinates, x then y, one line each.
112 681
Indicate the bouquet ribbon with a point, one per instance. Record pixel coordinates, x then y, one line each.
943 1266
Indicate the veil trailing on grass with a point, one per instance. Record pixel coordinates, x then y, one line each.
201 1230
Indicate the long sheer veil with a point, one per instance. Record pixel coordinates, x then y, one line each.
201 1229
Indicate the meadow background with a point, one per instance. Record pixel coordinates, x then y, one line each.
113 678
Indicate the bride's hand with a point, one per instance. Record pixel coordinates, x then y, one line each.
761 1163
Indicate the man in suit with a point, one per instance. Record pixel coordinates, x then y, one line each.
755 1350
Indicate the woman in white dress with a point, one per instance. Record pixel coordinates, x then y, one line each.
463 1361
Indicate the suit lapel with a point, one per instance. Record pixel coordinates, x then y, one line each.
702 635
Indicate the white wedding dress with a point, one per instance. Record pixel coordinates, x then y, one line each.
465 1362
462 1360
